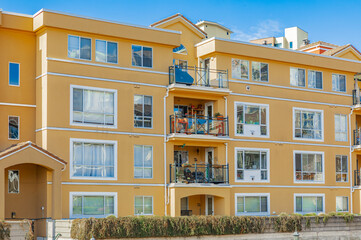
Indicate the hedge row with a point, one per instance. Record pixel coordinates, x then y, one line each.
4 231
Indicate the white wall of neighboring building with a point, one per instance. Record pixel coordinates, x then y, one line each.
214 29
295 35
282 41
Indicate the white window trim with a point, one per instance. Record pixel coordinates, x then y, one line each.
249 67
259 71
348 204
91 40
106 51
71 194
308 195
293 124
14 139
71 171
341 169
306 82
252 195
346 127
143 112
9 74
142 56
308 72
345 82
252 149
97 89
148 214
294 167
143 161
254 104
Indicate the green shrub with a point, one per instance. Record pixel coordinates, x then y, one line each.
4 231
287 223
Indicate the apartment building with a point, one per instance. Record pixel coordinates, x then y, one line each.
104 118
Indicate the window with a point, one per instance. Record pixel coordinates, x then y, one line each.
143 161
13 181
93 159
259 71
240 69
142 56
309 167
183 64
79 47
252 204
252 120
308 124
338 83
297 76
180 50
106 51
14 74
341 204
291 45
341 168
252 165
340 127
143 205
14 128
315 79
278 45
92 204
143 108
93 106
309 203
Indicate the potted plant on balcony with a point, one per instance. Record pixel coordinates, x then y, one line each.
186 165
218 116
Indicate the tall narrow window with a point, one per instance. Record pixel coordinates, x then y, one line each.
79 47
341 204
308 124
314 79
143 205
143 161
14 74
92 204
260 71
143 111
297 76
306 203
142 56
13 181
338 83
93 106
240 69
252 204
341 168
309 167
14 128
340 127
106 51
252 120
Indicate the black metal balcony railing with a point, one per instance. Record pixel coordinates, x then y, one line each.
198 173
198 76
217 126
356 97
357 178
357 137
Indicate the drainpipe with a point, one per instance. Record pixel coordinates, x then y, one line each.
225 106
165 151
350 157
227 177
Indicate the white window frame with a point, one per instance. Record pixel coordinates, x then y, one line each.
267 119
96 89
294 125
249 67
348 203
341 169
141 55
294 167
341 132
105 194
13 85
142 161
309 195
143 214
252 149
338 79
143 111
308 74
297 75
252 195
106 51
84 59
71 171
16 139
8 181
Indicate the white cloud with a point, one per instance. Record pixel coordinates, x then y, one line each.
267 28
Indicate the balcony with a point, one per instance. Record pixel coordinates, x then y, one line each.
357 139
356 97
182 78
357 179
198 173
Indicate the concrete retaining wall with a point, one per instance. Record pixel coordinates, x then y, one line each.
18 229
55 227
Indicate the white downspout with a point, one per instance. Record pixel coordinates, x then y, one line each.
350 157
165 151
227 177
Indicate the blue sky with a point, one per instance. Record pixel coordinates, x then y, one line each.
337 22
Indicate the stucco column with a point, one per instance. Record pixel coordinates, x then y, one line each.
56 205
2 194
174 204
